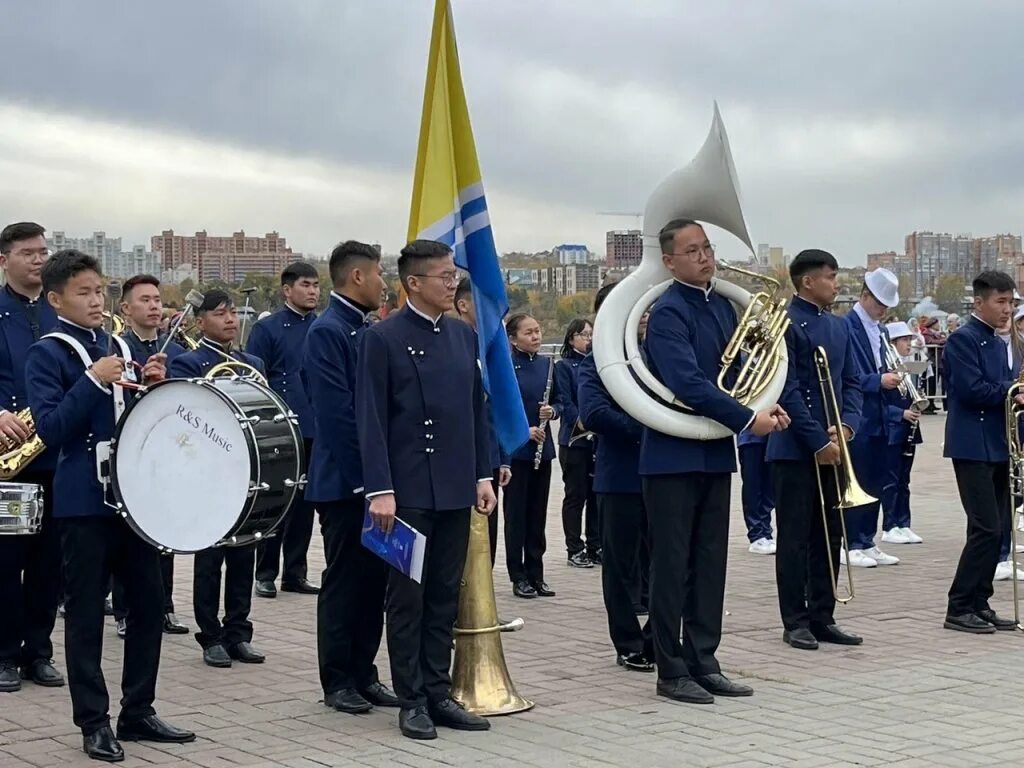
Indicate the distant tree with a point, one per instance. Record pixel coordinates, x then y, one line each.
949 293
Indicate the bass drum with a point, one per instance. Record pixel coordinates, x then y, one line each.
198 463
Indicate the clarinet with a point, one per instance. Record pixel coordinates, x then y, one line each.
539 455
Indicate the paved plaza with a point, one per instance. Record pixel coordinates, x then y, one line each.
913 695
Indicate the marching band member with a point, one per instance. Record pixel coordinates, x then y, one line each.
900 453
978 377
74 413
809 448
423 436
218 321
758 496
142 310
350 606
29 565
686 483
879 294
279 341
576 461
501 467
1014 356
623 518
526 496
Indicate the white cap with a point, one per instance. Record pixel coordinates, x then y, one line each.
884 286
898 330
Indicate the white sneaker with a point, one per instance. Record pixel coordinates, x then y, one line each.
774 546
1003 571
858 559
762 547
895 536
912 538
1020 521
880 557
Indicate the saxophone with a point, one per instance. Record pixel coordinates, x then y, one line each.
15 455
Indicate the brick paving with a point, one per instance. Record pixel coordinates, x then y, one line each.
913 695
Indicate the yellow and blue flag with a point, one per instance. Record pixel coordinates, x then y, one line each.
448 205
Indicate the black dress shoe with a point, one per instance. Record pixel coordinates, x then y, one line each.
348 700
245 653
635 662
720 685
379 695
10 681
302 586
542 589
800 638
152 728
265 589
101 745
42 672
684 689
415 723
122 628
833 633
991 617
216 656
596 557
449 713
172 626
523 589
968 622
108 607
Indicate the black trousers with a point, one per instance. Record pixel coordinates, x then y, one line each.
421 617
350 606
623 521
688 516
526 514
94 548
239 565
292 537
492 519
29 584
166 577
577 463
985 495
801 558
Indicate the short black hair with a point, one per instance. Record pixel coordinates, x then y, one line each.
990 282
297 270
131 282
667 235
415 256
21 230
345 254
63 266
602 294
215 299
464 289
808 261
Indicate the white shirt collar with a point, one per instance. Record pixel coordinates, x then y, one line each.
975 316
424 315
298 312
91 331
205 342
706 291
869 322
349 304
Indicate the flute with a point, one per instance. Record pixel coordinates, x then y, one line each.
539 455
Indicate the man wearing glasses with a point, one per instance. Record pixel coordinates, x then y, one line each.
686 483
29 565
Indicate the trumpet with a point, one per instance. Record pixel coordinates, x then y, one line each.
848 491
907 388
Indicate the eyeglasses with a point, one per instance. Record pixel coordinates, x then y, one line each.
695 251
585 334
450 279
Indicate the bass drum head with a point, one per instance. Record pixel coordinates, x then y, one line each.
181 465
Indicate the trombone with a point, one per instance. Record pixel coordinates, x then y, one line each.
1016 489
848 491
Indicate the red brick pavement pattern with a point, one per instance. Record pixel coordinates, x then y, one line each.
912 695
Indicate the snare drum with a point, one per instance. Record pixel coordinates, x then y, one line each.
21 508
197 463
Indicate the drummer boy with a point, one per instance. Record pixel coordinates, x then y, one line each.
70 375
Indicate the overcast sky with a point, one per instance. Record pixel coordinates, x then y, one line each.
851 123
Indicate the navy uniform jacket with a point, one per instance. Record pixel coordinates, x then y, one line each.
898 427
616 468
279 341
978 377
72 413
329 376
566 384
196 362
532 375
873 420
143 349
22 323
687 331
801 398
421 413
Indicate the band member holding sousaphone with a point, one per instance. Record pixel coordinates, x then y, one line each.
29 565
232 639
72 395
526 496
576 457
350 606
802 458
